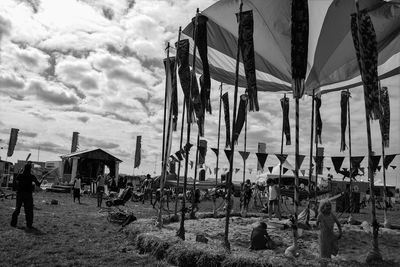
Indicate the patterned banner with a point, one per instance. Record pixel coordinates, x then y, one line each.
286 124
225 101
262 148
138 153
344 102
174 92
246 45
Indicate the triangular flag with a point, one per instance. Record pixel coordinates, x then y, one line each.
237 170
188 146
300 159
379 168
337 163
362 169
375 162
355 162
303 172
225 169
393 166
228 153
250 170
244 154
285 170
345 169
388 159
178 155
262 157
282 157
328 168
215 150
270 169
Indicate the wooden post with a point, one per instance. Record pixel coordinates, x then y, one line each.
219 135
311 146
280 164
350 220
229 178
192 212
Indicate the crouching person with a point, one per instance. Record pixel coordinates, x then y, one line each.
260 239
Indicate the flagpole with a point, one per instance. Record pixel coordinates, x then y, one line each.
219 135
386 222
182 126
192 212
350 168
311 146
317 160
245 145
166 144
374 254
230 174
181 231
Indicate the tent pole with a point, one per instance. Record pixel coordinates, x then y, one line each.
219 135
386 222
244 211
230 174
351 167
280 165
192 212
311 146
182 125
181 231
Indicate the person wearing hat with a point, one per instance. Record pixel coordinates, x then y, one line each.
24 196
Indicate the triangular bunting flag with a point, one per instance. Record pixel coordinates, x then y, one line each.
362 169
282 157
345 169
393 166
303 172
262 157
250 170
284 170
244 154
388 160
337 163
215 150
188 146
228 153
178 155
328 168
379 168
270 169
375 162
300 159
355 162
237 170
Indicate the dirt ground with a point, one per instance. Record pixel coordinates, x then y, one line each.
80 235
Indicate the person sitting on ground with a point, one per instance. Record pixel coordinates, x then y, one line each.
328 241
260 239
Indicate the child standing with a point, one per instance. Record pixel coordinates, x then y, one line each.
77 188
328 241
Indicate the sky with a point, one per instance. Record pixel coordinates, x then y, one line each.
95 67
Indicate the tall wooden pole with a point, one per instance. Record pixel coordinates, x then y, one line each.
181 231
192 212
374 254
280 162
219 135
311 146
350 165
182 126
230 174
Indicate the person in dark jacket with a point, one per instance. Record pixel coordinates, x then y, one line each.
24 196
260 239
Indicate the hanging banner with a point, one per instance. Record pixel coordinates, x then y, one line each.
174 92
286 124
388 159
201 43
187 147
246 44
202 151
262 157
262 148
384 120
244 154
337 163
241 116
196 102
215 150
344 102
225 101
228 153
12 142
299 48
138 154
318 120
318 163
168 116
367 57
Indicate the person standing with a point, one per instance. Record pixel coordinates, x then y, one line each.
100 189
77 188
273 198
24 196
146 187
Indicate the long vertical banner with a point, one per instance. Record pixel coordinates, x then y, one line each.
169 66
12 142
225 101
262 148
138 155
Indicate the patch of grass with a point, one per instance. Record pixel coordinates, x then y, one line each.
183 255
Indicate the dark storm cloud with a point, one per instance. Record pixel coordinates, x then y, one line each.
59 98
119 73
83 119
91 142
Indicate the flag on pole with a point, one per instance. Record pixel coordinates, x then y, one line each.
75 142
12 142
138 155
225 101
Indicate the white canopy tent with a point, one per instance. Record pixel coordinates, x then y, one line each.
332 62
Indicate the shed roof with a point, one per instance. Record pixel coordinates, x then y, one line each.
95 153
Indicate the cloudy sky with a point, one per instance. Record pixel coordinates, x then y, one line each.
95 67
